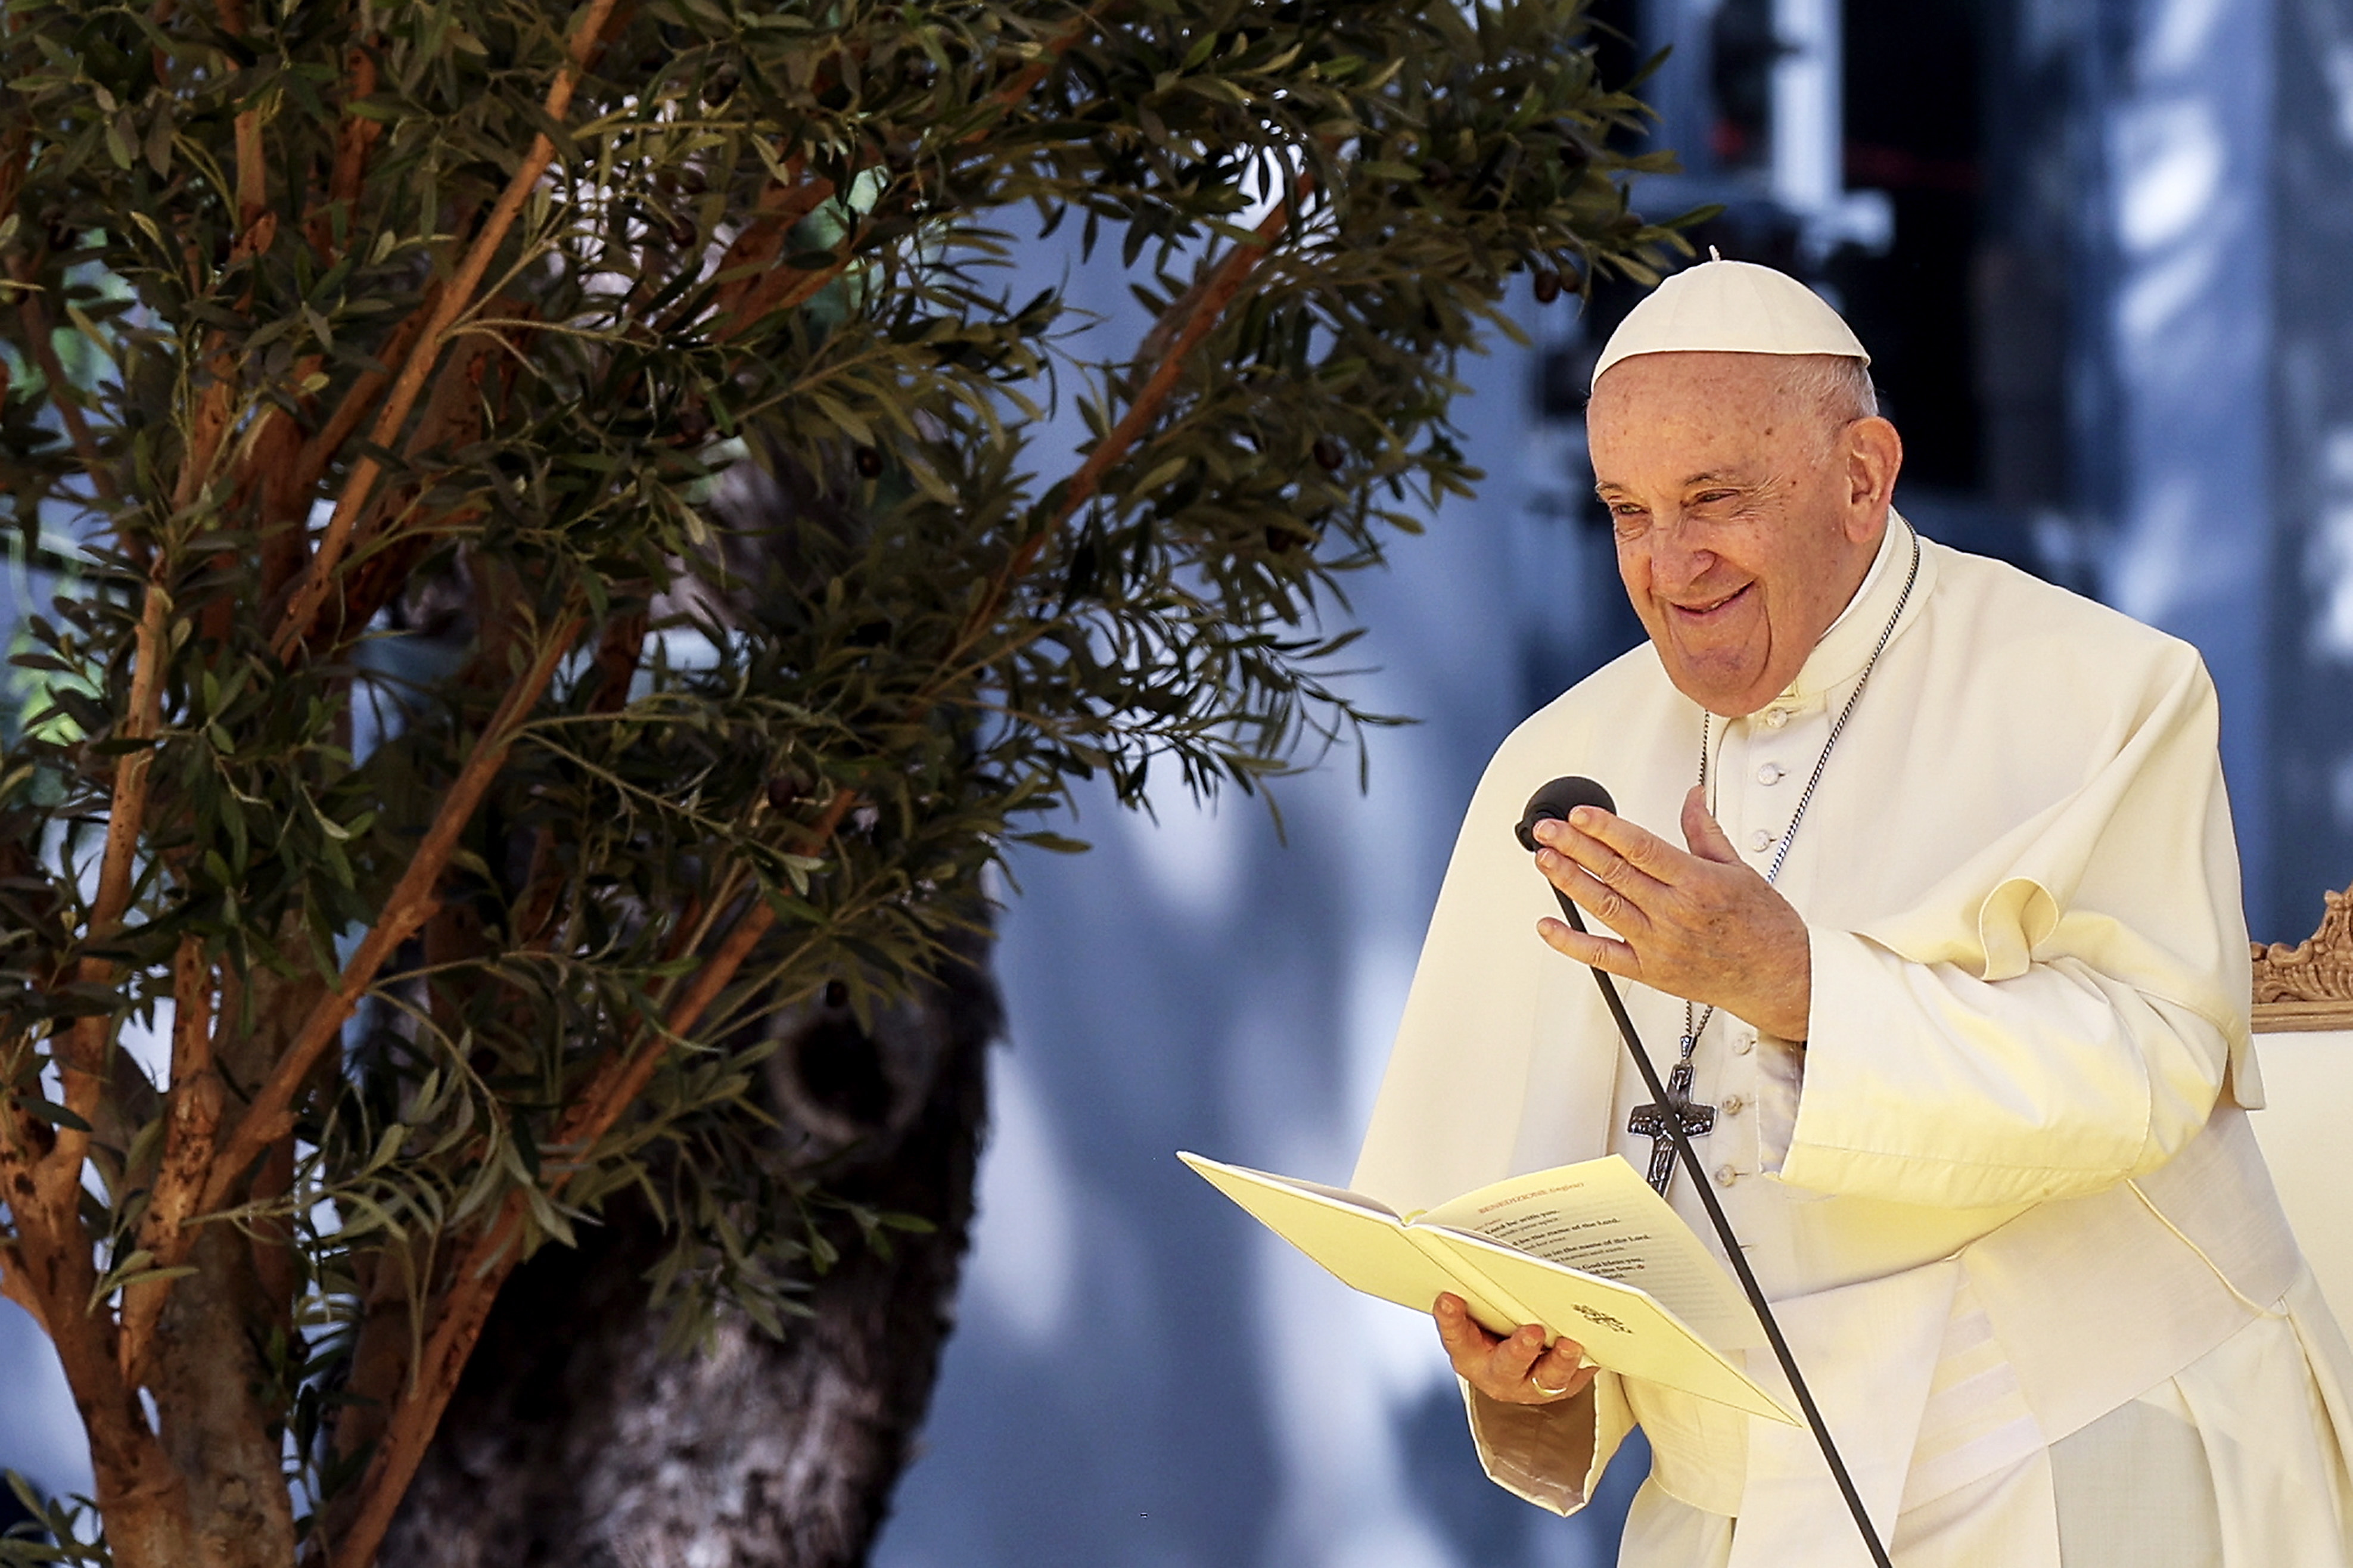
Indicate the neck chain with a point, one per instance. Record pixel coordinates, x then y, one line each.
1694 1021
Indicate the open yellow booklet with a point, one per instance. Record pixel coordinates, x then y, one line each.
1587 1250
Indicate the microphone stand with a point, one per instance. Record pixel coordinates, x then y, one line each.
1670 1111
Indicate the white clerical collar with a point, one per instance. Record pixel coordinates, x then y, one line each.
1842 651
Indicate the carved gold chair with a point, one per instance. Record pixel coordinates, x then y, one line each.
2304 1024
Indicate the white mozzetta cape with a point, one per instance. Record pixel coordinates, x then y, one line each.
2008 1184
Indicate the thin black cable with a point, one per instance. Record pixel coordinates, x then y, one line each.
1732 1250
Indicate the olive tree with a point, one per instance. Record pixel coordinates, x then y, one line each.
559 546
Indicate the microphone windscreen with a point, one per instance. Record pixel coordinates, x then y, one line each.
1557 800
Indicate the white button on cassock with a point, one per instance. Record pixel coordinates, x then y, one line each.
1733 1104
1725 1176
1774 718
1760 841
1770 773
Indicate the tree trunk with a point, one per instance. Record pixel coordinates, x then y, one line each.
574 1441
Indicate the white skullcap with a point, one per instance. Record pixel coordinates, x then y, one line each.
1730 307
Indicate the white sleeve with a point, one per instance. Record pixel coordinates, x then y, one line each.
1550 1455
1923 1084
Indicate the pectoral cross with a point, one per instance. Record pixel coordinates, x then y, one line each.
1651 1121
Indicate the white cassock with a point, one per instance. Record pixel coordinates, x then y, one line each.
2005 1198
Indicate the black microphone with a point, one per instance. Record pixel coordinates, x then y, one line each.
1554 802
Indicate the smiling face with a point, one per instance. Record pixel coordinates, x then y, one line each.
1747 510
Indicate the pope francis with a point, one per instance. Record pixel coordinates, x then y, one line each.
1922 886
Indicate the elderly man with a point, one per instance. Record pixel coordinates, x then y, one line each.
1923 885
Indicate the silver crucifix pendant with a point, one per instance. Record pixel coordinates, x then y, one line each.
1651 1121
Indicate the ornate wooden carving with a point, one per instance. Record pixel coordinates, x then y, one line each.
2309 985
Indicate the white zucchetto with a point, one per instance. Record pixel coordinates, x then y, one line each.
1730 307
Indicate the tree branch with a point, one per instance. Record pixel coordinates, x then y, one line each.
1223 285
311 593
14 1286
207 427
54 1262
16 161
252 174
356 137
276 452
61 394
82 1058
1200 308
752 252
270 1116
144 716
497 1249
193 1116
256 229
390 1292
761 287
451 416
344 422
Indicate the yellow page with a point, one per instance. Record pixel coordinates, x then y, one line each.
1495 1308
1600 1217
1363 1244
1619 1326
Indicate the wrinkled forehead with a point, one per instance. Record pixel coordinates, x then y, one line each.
1731 384
1681 410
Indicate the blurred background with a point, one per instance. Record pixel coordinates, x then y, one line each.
2098 250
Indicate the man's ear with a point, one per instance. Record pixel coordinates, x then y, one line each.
1874 454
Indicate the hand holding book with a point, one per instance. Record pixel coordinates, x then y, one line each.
1516 1368
1586 1254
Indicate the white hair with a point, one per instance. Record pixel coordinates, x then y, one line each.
1838 386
